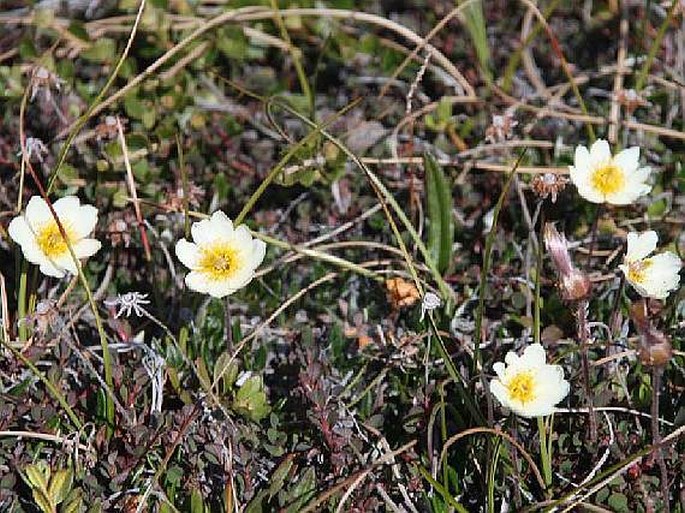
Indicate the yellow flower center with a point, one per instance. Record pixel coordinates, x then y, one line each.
638 270
522 387
608 178
220 261
50 240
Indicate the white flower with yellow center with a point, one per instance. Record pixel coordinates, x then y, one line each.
601 178
527 385
221 259
37 233
656 276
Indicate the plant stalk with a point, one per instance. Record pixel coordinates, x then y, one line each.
545 454
583 336
657 372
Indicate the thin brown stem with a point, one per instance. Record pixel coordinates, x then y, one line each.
583 336
593 234
657 372
615 318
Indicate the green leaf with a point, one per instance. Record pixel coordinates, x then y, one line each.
303 491
73 502
197 504
256 505
618 503
60 485
43 501
37 475
475 23
439 202
279 475
250 400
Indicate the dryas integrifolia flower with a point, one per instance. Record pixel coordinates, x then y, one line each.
574 284
603 178
527 384
41 241
656 276
221 258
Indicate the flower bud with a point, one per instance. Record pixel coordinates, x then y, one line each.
655 349
655 346
575 285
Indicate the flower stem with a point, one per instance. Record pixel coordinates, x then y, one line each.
657 372
21 300
545 453
593 233
583 335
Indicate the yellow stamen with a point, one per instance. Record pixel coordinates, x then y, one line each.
50 240
608 178
522 387
220 261
638 270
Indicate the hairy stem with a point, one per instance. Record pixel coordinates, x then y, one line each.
657 372
583 336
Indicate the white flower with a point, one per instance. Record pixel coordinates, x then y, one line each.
37 233
601 178
527 385
221 259
653 277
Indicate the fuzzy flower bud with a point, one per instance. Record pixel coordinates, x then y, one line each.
574 284
655 346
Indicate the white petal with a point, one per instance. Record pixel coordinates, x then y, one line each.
67 208
222 224
65 261
37 211
624 196
85 248
663 275
628 160
534 356
49 269
242 237
258 253
203 232
553 387
198 282
20 231
240 279
581 159
586 189
220 289
536 409
600 152
33 253
498 367
83 221
667 261
188 253
640 245
644 292
641 174
511 359
500 392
